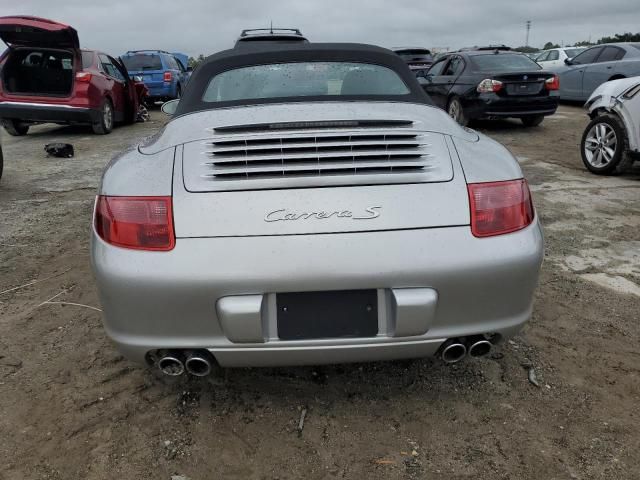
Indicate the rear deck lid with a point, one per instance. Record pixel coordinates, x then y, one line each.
308 169
24 31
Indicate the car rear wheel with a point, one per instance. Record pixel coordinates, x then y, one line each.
532 121
105 123
603 146
455 111
16 127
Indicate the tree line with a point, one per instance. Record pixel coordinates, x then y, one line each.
618 37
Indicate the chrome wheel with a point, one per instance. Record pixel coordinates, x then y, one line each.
600 145
143 114
107 115
455 110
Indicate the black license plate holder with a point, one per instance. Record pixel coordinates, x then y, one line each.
333 314
528 88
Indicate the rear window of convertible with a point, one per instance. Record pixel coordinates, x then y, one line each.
303 79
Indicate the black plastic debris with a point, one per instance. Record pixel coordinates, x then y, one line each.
62 150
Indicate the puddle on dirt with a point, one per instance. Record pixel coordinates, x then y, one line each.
613 282
613 263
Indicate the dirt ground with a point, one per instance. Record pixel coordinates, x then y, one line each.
72 408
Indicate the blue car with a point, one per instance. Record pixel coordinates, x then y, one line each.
165 74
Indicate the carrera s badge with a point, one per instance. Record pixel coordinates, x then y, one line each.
285 215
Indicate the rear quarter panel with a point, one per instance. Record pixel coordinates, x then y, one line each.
486 161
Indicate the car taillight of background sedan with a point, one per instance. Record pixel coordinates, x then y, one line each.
488 85
552 83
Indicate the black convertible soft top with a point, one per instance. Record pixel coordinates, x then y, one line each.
264 54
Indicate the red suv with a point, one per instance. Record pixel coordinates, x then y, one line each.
46 77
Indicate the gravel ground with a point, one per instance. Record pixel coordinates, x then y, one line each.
72 408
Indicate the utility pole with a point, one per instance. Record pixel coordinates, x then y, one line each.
526 44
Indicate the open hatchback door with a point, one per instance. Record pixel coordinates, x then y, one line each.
25 31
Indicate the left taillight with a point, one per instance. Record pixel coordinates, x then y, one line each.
141 223
489 85
552 83
499 207
83 77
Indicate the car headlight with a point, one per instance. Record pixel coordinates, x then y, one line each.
591 101
632 92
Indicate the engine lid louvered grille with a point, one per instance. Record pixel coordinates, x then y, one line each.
318 154
319 158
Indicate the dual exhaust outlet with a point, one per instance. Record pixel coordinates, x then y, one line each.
456 349
198 363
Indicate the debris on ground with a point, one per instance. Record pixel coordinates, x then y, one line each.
533 379
303 414
62 150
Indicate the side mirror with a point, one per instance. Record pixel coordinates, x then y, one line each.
568 61
423 81
189 69
137 78
169 108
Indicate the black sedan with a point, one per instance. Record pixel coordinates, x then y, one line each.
492 83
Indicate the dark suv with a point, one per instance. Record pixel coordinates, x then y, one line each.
417 58
490 82
275 35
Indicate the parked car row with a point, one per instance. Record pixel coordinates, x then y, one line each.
47 77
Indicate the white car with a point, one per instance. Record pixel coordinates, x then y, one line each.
555 57
611 141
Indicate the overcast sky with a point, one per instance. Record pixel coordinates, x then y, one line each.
207 26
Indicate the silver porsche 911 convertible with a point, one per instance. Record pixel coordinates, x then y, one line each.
306 204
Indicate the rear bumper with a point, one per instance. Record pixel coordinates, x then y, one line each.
161 91
154 300
48 112
492 105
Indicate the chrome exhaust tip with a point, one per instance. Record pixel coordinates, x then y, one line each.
480 348
454 352
198 364
171 365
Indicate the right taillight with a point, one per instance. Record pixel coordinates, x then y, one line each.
167 76
499 207
552 83
141 223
